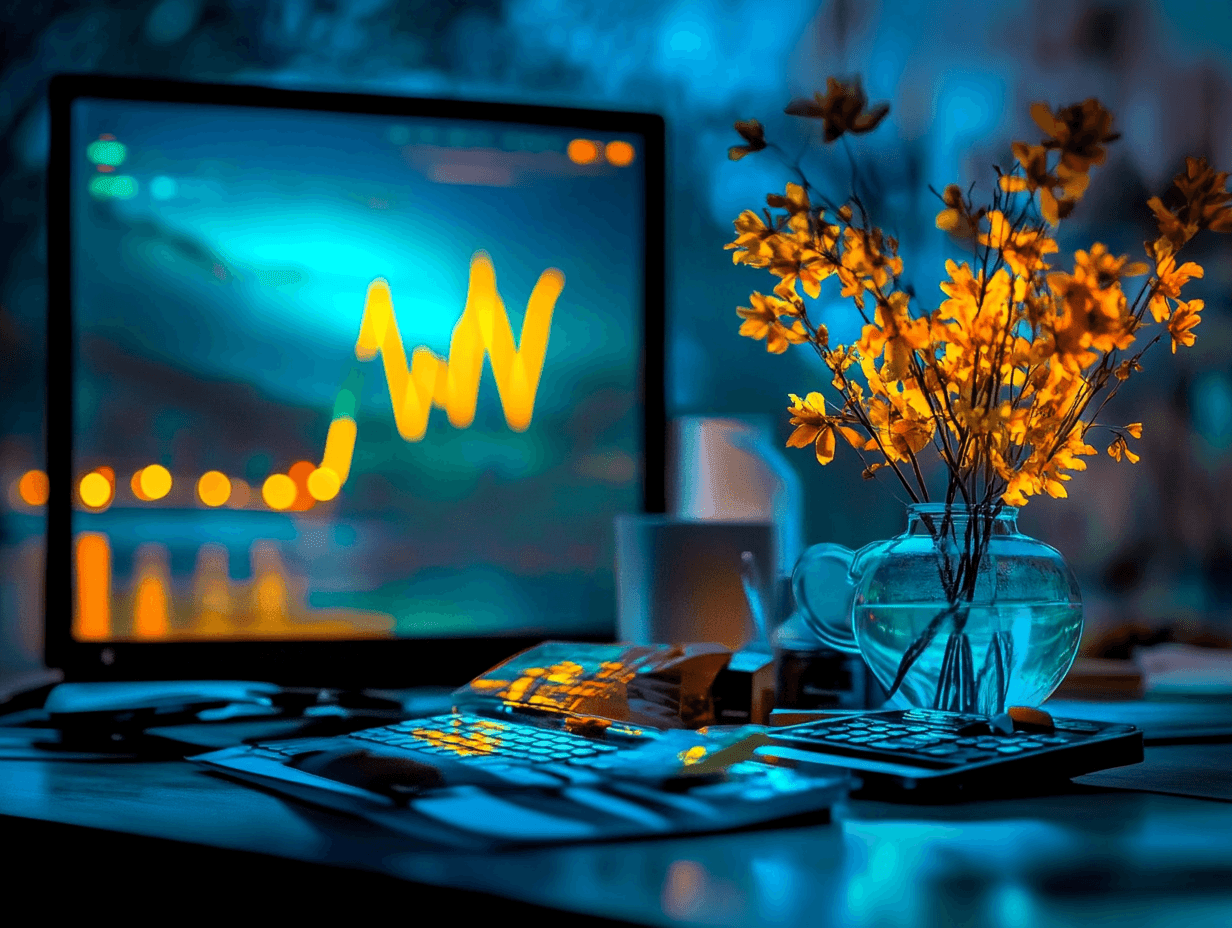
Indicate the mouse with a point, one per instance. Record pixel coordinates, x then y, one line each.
387 774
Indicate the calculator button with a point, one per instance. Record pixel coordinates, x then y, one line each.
967 742
1009 749
941 750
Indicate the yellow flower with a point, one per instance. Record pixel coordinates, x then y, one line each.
1007 374
796 201
1024 249
992 422
1120 447
752 245
792 261
762 321
1079 132
1019 482
1104 270
957 217
1044 472
1176 232
785 290
1207 200
1183 322
1035 173
754 135
1066 458
868 262
1198 200
1037 178
900 433
841 109
813 426
975 314
1093 316
895 334
1168 278
1127 369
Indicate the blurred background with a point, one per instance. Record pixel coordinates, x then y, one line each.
1151 543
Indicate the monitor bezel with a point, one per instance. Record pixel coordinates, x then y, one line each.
344 664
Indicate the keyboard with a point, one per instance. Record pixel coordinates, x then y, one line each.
929 748
471 737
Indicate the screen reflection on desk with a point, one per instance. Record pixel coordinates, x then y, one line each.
1093 854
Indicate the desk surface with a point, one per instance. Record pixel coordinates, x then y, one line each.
1130 855
1126 855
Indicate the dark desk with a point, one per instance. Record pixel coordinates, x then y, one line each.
1126 857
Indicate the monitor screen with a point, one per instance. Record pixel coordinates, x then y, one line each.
341 375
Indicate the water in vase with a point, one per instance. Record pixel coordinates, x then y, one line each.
1014 654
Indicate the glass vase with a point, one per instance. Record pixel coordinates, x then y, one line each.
961 612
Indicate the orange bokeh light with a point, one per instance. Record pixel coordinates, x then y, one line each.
241 493
93 619
323 484
34 488
135 486
279 492
214 488
95 490
582 151
619 153
155 481
299 472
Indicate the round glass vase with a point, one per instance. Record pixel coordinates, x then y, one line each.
961 612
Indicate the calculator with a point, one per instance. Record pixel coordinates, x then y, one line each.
947 752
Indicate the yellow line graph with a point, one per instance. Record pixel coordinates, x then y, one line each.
449 383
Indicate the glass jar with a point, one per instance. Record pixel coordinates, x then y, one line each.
960 612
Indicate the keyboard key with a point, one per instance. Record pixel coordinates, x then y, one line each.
477 739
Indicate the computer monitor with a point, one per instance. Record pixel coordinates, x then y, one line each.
343 390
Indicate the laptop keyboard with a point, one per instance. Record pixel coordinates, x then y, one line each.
475 737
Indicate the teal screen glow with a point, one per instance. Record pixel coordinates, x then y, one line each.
350 376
